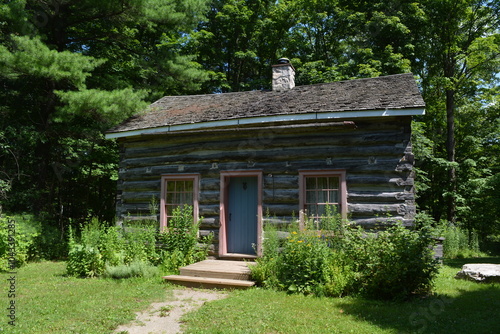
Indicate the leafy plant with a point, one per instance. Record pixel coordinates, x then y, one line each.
392 264
179 244
17 238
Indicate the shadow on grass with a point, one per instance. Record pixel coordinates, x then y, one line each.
475 311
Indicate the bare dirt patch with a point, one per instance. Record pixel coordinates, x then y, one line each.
164 317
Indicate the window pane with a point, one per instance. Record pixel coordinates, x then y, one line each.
311 197
333 196
170 186
321 210
320 191
188 186
333 182
322 183
188 199
322 197
310 183
180 186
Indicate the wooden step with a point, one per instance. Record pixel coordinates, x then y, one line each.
209 283
235 270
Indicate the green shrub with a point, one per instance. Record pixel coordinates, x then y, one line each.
84 257
117 252
303 262
134 269
140 244
99 246
17 240
266 271
84 261
179 244
182 231
392 264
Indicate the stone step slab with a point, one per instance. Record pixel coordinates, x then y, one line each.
480 272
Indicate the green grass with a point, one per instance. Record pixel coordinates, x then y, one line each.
48 302
456 306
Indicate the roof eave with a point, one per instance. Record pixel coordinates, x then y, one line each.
320 115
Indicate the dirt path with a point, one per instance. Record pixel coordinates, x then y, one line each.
163 317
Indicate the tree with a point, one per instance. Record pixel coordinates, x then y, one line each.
69 70
459 58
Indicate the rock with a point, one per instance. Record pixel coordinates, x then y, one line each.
480 272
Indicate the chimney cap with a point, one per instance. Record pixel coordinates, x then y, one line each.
283 61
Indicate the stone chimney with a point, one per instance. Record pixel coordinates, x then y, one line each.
283 75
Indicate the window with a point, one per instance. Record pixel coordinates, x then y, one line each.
177 190
318 189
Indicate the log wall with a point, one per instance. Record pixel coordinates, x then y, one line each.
376 155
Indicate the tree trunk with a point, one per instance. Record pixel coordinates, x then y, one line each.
450 149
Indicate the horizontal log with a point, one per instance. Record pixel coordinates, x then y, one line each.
213 223
273 181
147 185
262 155
381 223
281 209
379 197
208 210
382 209
140 197
210 183
282 196
386 180
369 133
209 197
272 168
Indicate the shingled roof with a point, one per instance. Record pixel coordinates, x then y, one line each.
393 92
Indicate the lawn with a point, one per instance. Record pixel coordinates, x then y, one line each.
49 302
457 306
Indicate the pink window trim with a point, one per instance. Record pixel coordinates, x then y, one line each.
224 178
178 177
340 173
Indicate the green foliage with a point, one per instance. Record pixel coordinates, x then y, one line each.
99 247
133 250
134 269
17 241
460 243
182 232
393 264
70 71
307 265
179 244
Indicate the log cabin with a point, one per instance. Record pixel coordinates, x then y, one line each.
240 158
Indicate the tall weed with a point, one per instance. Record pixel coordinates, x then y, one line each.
179 245
460 243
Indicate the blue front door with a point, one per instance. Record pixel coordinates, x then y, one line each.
242 215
